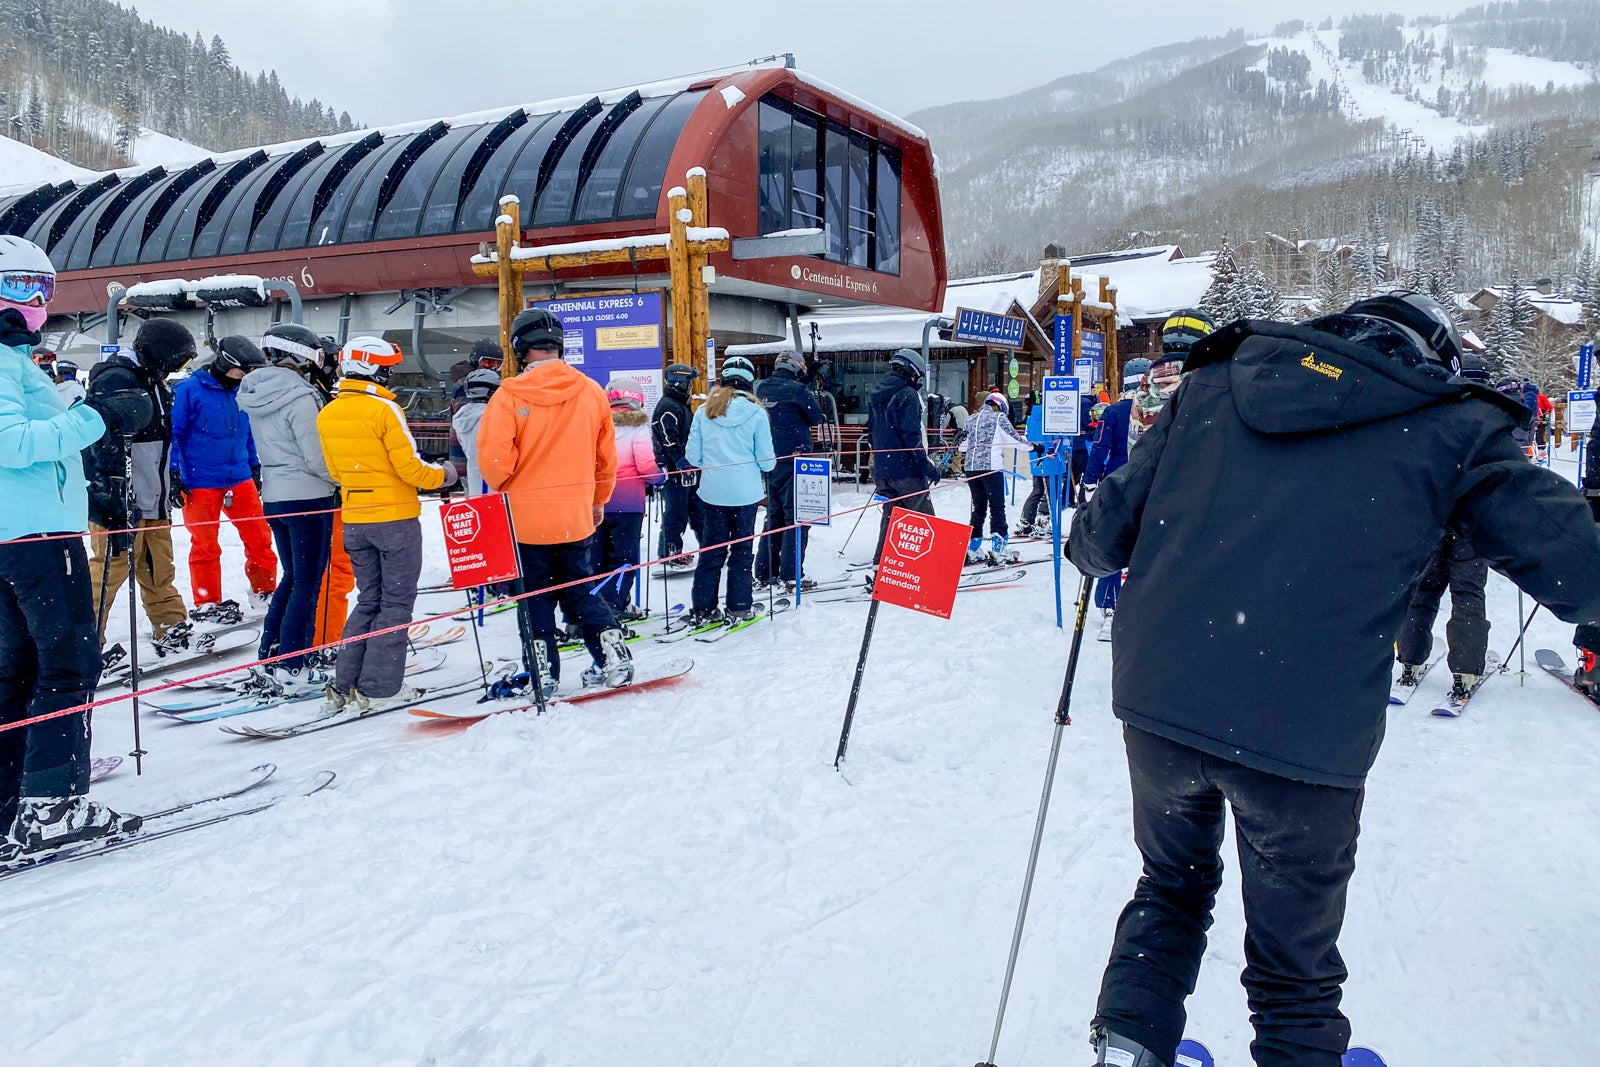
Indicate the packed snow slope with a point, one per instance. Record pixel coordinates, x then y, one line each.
680 876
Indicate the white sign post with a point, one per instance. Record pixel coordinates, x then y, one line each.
1062 405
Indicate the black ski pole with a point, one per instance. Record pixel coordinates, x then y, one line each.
106 556
483 664
860 514
1063 718
130 507
1522 663
855 686
1505 664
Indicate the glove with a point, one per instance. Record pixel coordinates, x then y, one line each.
451 475
177 495
255 476
690 476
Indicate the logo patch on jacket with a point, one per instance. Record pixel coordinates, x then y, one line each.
1312 363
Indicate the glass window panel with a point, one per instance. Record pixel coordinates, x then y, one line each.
858 202
805 194
357 196
556 200
887 250
277 179
175 234
598 202
72 251
337 169
836 177
39 232
439 216
239 204
641 189
773 183
122 244
481 205
403 213
297 196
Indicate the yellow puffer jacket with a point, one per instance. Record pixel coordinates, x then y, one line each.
372 455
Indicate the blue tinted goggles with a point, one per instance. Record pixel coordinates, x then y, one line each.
27 287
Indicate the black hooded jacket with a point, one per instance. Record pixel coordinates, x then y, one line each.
1272 521
894 423
105 461
792 411
669 431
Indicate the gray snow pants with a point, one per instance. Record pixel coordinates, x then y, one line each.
387 560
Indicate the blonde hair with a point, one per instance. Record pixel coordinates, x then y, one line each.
721 396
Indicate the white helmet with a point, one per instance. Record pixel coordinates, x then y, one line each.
20 254
27 280
369 357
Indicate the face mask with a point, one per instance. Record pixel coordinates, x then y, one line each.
33 315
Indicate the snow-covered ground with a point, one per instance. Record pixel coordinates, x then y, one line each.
680 876
24 167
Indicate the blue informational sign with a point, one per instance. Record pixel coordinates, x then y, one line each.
813 491
985 328
1063 344
1585 365
612 336
107 351
1093 348
1062 405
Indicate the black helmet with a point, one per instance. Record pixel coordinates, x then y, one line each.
910 363
1474 368
330 350
235 353
1423 316
125 411
164 345
486 350
535 328
289 344
1184 329
680 377
1382 335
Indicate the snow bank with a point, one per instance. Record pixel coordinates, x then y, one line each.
23 168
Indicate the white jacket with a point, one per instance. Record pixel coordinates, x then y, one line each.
989 436
465 421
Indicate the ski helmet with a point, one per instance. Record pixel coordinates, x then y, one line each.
791 361
486 354
235 353
1134 371
163 346
536 328
1382 335
481 384
330 349
680 377
910 363
369 357
1423 316
1474 368
1183 330
27 280
998 399
626 393
289 344
44 359
738 372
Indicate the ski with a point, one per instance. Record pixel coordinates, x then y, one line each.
1452 707
1400 695
1556 667
494 609
448 637
1192 1053
225 703
142 836
327 720
417 637
225 643
780 605
679 633
101 766
665 675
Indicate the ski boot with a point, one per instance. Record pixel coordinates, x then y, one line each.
975 550
680 563
1410 675
548 682
734 618
1110 1048
112 656
1587 676
631 614
807 585
45 823
617 668
261 601
999 553
174 640
696 619
226 613
1462 685
282 683
336 699
1106 615
365 705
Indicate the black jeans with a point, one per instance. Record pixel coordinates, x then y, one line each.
775 560
49 660
908 493
305 543
1452 566
680 510
988 497
1297 850
724 524
547 565
617 545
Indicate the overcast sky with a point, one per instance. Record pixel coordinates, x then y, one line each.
391 61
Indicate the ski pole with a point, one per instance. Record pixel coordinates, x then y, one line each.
1063 718
1522 653
859 516
1505 664
483 665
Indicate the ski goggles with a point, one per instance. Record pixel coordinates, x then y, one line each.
27 286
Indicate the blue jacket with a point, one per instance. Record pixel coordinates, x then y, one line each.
733 451
211 443
894 423
41 445
791 409
1110 448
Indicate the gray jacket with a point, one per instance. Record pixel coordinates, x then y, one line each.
283 417
465 423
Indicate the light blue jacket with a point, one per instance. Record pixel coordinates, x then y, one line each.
732 452
41 441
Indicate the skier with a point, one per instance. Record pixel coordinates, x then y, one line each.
791 411
1108 453
546 438
669 433
637 471
900 466
370 453
298 497
339 581
1456 567
214 471
478 386
730 440
48 654
160 349
989 436
1272 615
1586 639
63 372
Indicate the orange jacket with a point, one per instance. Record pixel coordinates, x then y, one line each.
546 439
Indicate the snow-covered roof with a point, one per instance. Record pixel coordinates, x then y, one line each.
1566 311
1154 286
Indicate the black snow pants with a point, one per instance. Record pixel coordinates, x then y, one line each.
908 493
680 510
1297 850
547 565
387 560
775 560
49 660
988 490
1456 567
1588 636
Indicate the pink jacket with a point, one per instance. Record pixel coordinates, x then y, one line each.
636 462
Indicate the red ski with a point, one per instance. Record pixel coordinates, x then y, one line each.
668 674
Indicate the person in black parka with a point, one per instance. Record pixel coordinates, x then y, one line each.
900 465
792 411
1273 520
669 436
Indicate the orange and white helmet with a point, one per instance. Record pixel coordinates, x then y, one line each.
369 357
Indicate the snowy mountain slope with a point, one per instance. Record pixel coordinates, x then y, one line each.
22 165
681 877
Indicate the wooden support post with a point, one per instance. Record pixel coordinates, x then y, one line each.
678 269
1113 354
508 232
699 292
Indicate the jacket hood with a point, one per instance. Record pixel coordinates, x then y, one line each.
740 411
628 418
270 387
546 383
889 385
1289 379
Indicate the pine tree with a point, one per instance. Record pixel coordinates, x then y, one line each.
1259 298
1332 283
127 118
1221 301
1506 333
